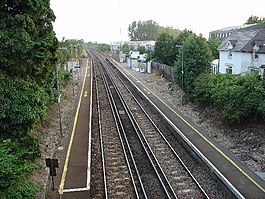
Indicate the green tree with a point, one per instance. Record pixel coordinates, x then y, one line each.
104 47
213 44
182 36
170 30
142 49
74 48
23 103
165 49
255 19
16 165
126 48
143 30
27 42
149 30
196 60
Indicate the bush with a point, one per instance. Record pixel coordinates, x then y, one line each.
16 164
64 77
238 97
23 103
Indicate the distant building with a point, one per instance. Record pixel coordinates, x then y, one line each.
115 46
135 60
134 45
225 32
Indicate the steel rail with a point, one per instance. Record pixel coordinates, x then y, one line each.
117 123
101 140
161 134
157 168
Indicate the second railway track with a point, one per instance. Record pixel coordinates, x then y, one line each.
141 158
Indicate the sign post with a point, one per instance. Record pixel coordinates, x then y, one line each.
52 164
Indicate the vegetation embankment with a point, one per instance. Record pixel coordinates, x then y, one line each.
28 58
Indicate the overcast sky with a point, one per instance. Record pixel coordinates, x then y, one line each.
102 20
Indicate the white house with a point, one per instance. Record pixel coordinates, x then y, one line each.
135 61
243 52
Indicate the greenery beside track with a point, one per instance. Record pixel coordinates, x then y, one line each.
28 58
239 98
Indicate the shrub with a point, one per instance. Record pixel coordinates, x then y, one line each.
238 97
64 77
16 165
23 103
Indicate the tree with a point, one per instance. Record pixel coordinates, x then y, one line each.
213 44
126 48
16 165
255 19
143 30
142 49
170 30
165 49
75 48
27 42
196 60
104 47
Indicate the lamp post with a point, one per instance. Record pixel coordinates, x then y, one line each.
75 46
182 72
72 69
59 94
59 100
182 76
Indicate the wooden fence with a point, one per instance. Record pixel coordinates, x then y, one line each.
162 69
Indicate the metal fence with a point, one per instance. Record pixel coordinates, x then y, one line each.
162 69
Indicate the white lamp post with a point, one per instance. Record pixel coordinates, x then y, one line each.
59 94
182 72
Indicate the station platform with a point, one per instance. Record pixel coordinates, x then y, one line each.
242 181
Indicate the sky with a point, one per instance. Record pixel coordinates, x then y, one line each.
106 21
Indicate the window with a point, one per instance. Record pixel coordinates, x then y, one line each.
254 56
229 69
254 71
230 55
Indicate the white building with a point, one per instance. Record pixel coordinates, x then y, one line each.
135 61
115 46
149 45
242 52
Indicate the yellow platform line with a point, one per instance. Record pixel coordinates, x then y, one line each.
71 140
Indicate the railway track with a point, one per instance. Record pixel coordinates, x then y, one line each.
117 176
168 161
137 147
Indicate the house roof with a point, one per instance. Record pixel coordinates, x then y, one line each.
258 40
243 40
232 28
